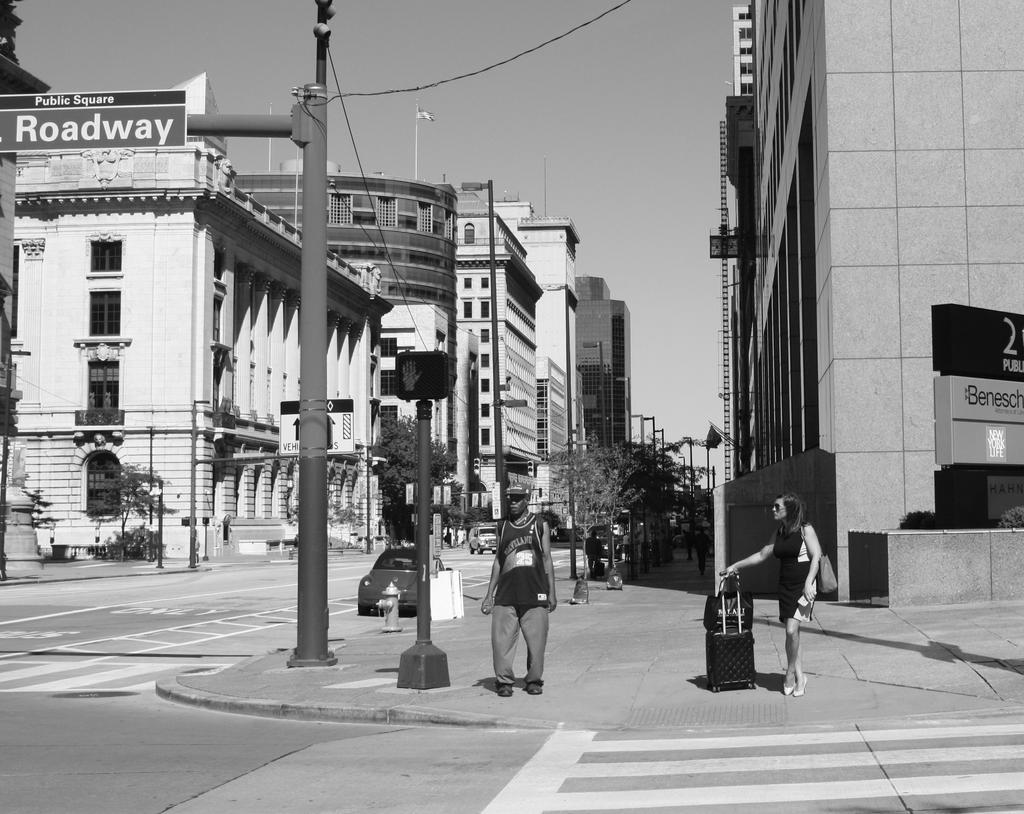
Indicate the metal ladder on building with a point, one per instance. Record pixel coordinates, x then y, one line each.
723 161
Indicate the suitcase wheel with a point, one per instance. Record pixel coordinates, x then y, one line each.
750 685
714 688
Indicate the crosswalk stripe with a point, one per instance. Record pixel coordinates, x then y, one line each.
39 669
772 793
772 763
807 738
90 679
549 781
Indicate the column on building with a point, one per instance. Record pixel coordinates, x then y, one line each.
290 390
333 330
243 337
261 351
344 371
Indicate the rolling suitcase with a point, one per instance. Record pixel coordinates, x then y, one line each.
729 648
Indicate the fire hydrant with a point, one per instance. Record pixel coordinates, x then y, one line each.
388 606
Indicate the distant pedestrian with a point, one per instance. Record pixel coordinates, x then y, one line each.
592 548
796 546
461 537
690 538
447 536
520 594
702 544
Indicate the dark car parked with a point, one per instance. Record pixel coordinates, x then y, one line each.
396 565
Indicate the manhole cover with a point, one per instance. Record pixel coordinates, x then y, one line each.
94 694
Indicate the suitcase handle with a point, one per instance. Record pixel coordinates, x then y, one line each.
739 608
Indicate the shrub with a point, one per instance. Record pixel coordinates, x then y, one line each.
1012 518
135 545
918 520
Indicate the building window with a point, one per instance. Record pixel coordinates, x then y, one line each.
387 213
101 482
470 234
485 309
485 334
104 313
425 218
388 346
449 226
218 307
485 385
485 283
389 382
104 384
485 410
467 309
339 211
485 436
485 360
218 264
389 412
467 282
106 255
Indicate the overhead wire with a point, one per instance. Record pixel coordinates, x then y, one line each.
479 71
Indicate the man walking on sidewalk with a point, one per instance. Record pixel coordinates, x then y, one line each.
520 594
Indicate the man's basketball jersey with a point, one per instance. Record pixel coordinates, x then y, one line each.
522 580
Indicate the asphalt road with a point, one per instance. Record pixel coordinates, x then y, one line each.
82 730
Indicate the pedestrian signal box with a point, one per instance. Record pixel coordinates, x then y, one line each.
422 375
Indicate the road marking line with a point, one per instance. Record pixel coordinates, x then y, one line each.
748 741
91 679
45 668
771 763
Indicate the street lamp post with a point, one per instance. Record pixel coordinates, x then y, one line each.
159 490
643 503
192 553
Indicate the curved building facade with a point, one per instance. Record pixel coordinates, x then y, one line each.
405 228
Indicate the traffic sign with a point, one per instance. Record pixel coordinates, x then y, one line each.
82 121
422 374
340 427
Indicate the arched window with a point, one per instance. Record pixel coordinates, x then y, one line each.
100 482
470 234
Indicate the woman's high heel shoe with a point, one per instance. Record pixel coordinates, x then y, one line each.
799 691
787 689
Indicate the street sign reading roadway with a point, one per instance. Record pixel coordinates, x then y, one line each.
340 426
104 120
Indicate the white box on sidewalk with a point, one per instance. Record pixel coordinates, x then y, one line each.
446 595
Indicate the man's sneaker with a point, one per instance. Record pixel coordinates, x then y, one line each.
534 689
505 690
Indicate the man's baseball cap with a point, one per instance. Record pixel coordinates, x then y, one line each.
517 491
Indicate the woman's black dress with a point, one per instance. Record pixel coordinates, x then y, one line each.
794 565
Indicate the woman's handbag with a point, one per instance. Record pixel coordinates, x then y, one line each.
827 582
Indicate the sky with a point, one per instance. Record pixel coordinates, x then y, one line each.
615 126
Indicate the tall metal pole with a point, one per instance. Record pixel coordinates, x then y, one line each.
313 619
570 374
6 418
193 561
496 389
160 527
423 666
369 495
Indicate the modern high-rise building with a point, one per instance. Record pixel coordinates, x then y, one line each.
603 348
742 51
878 170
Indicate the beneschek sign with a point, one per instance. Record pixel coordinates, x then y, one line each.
103 120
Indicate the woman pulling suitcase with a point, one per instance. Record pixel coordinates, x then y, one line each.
796 546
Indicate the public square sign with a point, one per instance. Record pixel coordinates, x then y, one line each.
340 427
83 121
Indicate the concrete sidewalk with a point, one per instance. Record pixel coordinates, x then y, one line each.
634 659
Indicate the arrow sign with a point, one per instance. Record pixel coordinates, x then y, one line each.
340 427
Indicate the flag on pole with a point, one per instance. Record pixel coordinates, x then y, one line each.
424 114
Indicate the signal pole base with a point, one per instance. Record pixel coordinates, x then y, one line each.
423 667
328 661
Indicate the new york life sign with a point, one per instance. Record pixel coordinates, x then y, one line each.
104 120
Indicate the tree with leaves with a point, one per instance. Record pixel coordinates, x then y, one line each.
398 446
126 493
600 480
